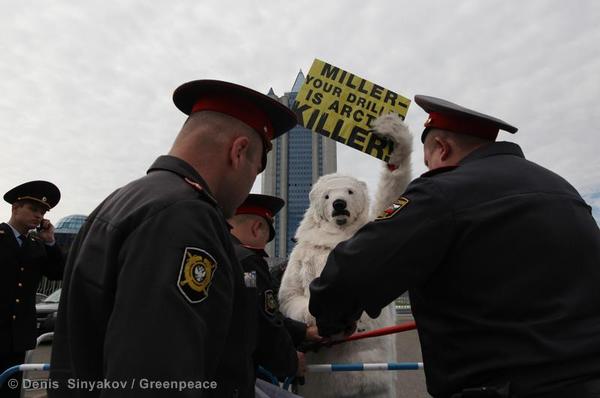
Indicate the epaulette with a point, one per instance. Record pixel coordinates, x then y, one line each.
199 188
437 171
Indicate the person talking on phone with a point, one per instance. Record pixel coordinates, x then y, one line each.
27 251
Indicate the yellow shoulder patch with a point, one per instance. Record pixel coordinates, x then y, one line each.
393 209
196 274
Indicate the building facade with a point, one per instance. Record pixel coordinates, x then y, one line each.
64 233
297 160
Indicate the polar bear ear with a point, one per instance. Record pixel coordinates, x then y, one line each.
364 188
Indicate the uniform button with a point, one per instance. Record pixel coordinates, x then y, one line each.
20 284
22 269
14 317
18 301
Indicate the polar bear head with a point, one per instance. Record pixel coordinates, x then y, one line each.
339 205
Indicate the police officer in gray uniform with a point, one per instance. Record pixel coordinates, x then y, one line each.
501 258
27 251
153 295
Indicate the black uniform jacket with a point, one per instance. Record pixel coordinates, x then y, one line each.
153 291
501 258
21 268
275 349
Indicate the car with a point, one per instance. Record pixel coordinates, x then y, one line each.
39 297
46 312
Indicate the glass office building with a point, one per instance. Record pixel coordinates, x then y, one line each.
66 229
64 233
297 160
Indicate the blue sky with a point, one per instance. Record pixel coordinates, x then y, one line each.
86 86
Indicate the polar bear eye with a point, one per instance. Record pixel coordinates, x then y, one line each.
326 196
350 191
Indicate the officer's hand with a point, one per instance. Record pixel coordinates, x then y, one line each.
46 231
348 331
301 364
312 334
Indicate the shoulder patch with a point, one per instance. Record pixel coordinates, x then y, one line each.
196 274
393 209
270 302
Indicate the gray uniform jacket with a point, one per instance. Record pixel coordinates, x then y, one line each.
153 292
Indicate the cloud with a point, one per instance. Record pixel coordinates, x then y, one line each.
86 86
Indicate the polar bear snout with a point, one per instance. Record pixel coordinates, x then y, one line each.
339 205
340 212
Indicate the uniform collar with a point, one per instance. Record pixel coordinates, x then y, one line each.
260 252
17 233
183 169
494 149
491 149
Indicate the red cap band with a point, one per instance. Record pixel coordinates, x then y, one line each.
239 108
258 211
461 126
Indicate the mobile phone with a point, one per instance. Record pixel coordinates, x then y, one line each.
40 227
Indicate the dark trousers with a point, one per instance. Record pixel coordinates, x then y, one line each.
8 360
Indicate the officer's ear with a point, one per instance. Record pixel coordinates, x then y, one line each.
238 150
255 228
444 147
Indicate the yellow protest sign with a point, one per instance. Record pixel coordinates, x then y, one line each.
342 106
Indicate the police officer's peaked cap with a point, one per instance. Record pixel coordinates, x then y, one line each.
262 205
449 116
267 116
42 192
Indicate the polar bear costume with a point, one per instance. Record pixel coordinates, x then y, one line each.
339 206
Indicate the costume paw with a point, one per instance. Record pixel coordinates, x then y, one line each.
392 127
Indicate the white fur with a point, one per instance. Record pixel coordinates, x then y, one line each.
318 233
393 183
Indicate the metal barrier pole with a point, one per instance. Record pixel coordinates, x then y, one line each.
361 367
21 368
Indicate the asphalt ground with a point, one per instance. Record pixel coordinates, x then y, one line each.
410 383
